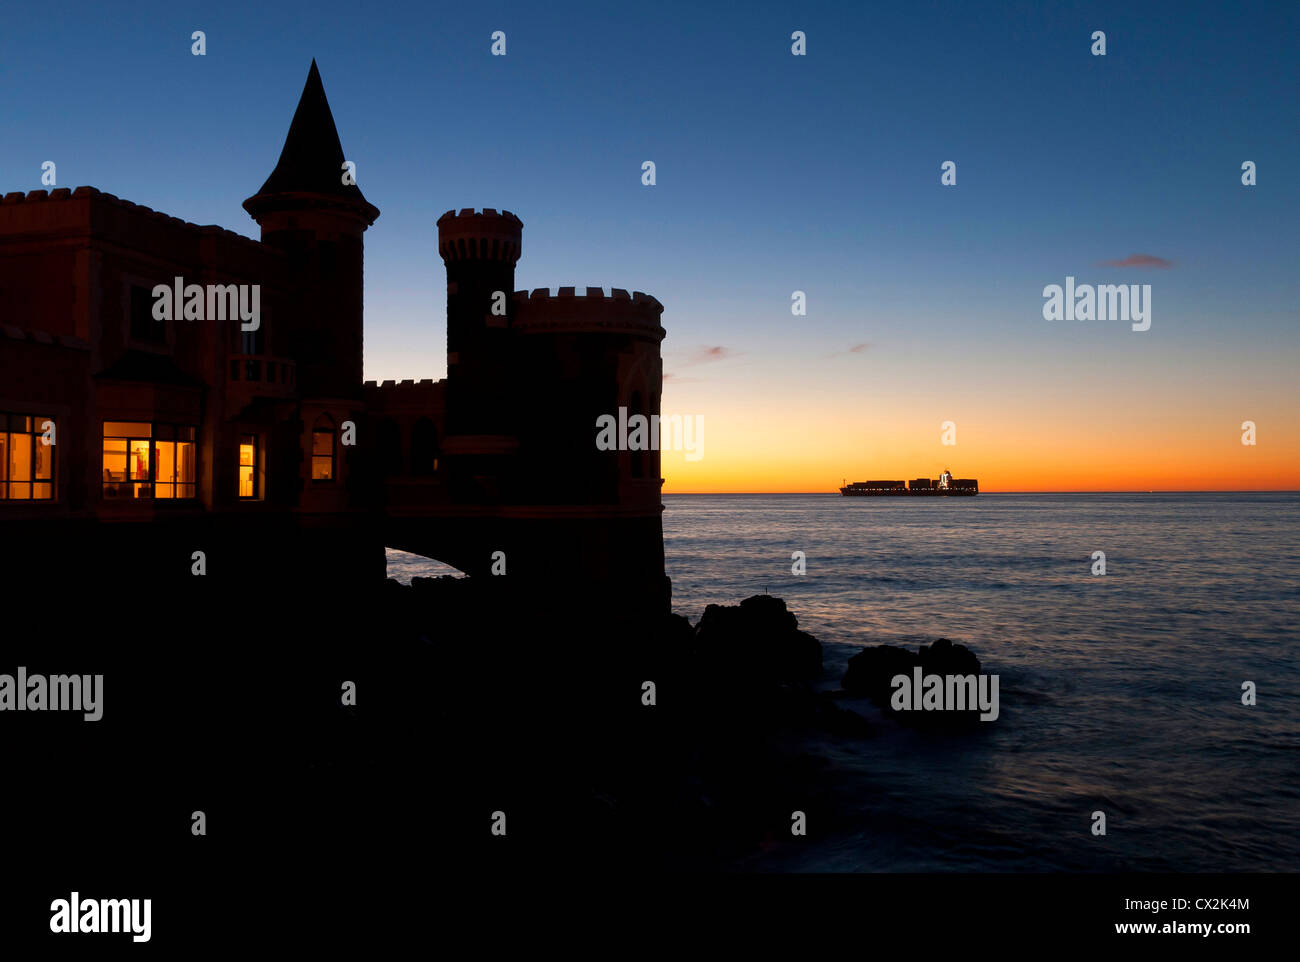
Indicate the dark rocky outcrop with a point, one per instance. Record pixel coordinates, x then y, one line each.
758 638
872 671
542 713
473 701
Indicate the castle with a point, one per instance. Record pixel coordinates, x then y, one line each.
263 449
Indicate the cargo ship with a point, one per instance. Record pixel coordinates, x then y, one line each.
943 486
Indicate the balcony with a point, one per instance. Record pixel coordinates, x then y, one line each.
264 374
252 376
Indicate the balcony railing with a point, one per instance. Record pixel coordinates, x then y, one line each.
263 370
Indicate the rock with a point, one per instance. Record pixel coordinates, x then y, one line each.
758 639
871 671
945 658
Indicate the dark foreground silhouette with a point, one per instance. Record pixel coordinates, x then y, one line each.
469 702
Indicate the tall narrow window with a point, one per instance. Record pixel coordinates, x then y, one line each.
26 459
322 449
42 464
637 458
174 461
186 460
143 325
251 342
248 465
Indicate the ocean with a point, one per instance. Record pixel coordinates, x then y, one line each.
1120 693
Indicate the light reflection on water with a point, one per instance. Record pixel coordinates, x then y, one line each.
1118 693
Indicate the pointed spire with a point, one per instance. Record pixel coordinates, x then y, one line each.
312 159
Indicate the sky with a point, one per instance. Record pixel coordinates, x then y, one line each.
776 173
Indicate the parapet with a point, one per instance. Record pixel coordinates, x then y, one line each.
422 383
596 312
480 235
391 397
64 194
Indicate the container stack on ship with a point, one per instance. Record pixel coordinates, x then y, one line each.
944 486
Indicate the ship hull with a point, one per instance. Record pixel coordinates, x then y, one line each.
905 493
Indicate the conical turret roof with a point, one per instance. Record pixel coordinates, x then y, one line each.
312 159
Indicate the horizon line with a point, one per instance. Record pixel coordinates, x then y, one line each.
1040 491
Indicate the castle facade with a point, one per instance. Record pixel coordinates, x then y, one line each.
258 444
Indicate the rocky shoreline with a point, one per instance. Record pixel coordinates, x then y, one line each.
648 738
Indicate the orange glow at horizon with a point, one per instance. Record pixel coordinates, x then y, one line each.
796 449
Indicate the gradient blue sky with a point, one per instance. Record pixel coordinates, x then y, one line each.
775 173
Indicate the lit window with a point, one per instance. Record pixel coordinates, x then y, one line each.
142 460
248 466
173 461
26 457
322 449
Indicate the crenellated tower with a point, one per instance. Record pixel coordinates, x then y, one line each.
587 355
480 250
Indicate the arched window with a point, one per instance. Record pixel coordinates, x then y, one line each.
322 449
424 447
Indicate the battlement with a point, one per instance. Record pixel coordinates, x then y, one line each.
487 213
569 312
399 398
422 384
480 235
65 194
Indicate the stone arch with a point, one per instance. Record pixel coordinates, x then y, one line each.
644 374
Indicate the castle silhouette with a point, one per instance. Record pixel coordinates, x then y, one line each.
264 449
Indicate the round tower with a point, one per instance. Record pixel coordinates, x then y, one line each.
308 210
595 511
590 356
480 250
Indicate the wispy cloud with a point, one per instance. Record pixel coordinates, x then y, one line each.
703 355
1140 260
862 348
